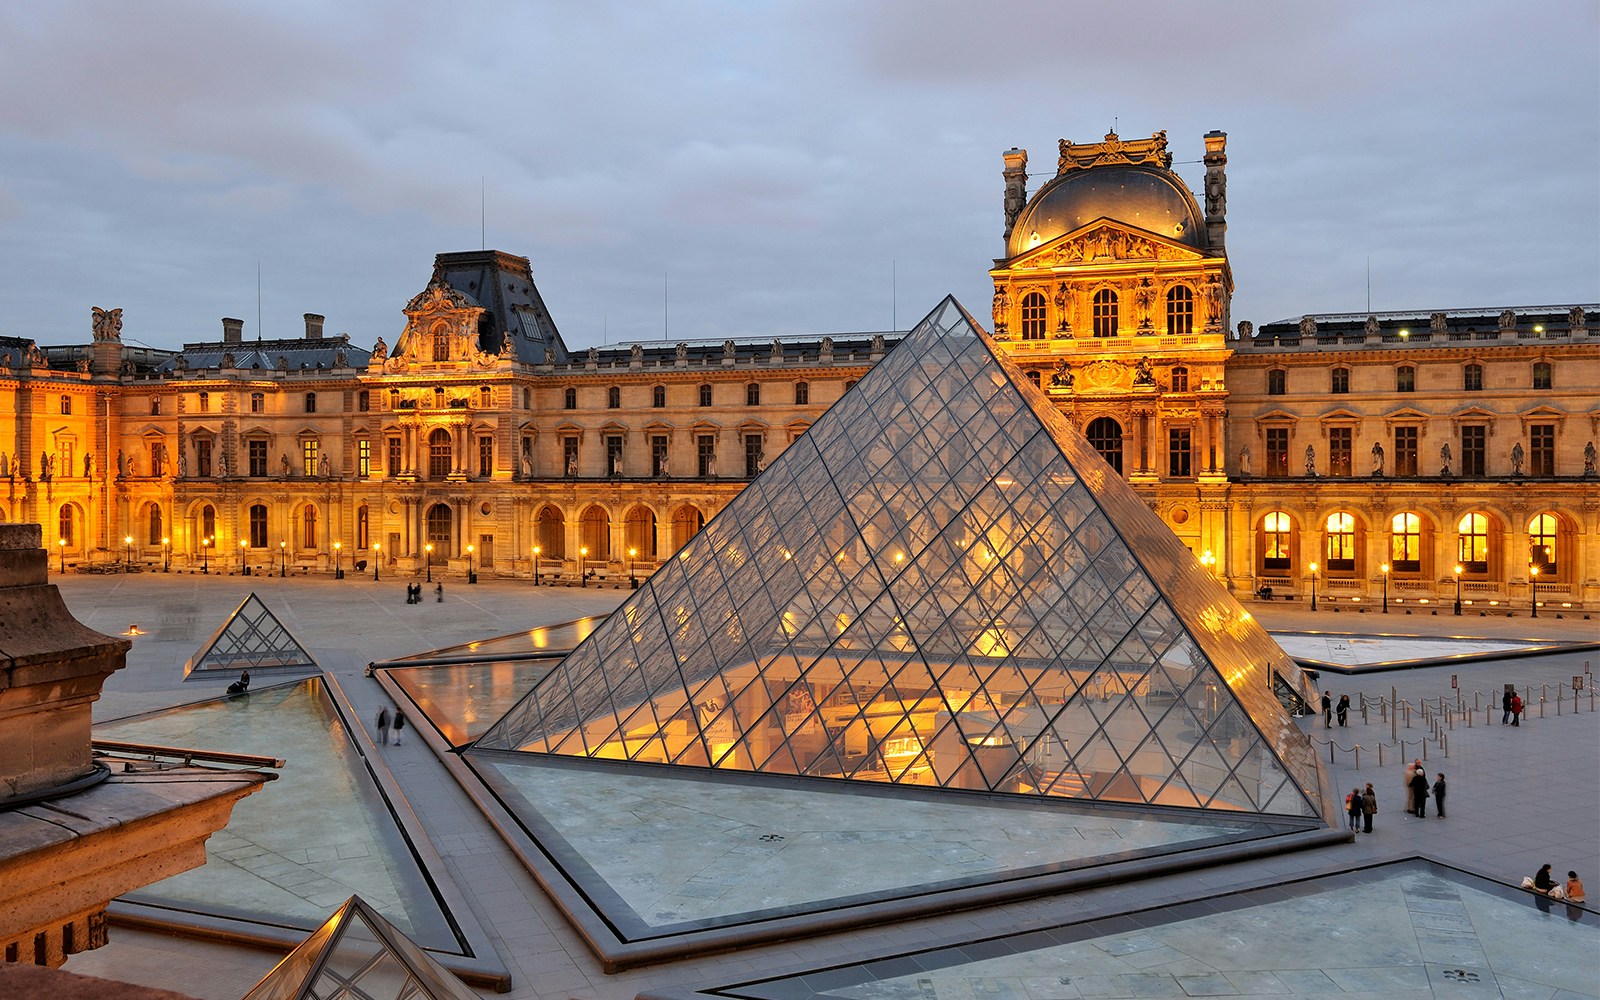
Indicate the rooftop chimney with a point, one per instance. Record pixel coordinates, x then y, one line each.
232 330
314 326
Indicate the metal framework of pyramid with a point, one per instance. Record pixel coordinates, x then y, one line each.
251 639
941 583
358 955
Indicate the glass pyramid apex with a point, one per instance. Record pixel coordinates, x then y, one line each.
251 639
940 583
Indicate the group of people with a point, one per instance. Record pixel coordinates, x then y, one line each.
414 593
384 721
1329 709
1361 805
1510 708
1417 791
1545 884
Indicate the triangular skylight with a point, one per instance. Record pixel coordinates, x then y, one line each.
940 583
251 639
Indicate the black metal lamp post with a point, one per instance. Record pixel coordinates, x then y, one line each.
377 557
166 555
205 555
338 574
536 551
472 577
428 558
583 577
1458 588
1313 586
1385 588
283 559
244 550
127 551
633 581
61 543
1533 589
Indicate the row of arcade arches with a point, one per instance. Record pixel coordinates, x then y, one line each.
1412 545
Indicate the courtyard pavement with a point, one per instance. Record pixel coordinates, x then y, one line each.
1519 796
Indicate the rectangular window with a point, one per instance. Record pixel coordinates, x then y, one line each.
1542 450
752 394
485 456
258 402
66 405
705 448
658 455
754 455
363 458
363 527
394 456
614 454
1277 451
258 458
155 406
1180 454
1472 378
1474 447
1405 379
1277 382
1405 451
1340 450
258 526
363 401
1339 381
202 456
205 402
569 455
311 402
308 456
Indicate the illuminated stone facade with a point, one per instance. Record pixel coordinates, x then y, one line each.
1317 440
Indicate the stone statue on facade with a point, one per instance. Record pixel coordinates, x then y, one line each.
1438 323
1061 378
1142 374
122 465
107 323
1002 306
1247 329
1508 320
46 466
1578 321
1144 296
5 465
636 354
1377 458
1244 461
133 466
572 467
222 465
1308 326
1516 459
283 464
1444 459
680 353
549 356
527 465
1311 460
88 465
1589 460
1061 309
324 467
183 464
1371 327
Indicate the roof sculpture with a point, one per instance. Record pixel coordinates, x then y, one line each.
251 639
941 583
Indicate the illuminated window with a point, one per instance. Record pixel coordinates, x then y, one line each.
208 521
363 458
1277 530
308 527
1277 382
1405 379
1106 436
441 342
439 453
1105 313
1542 543
309 449
1472 546
1541 375
1341 541
1405 543
1180 310
1033 318
1472 378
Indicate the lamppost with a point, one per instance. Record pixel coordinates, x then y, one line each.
283 559
376 559
127 550
583 553
1458 588
472 577
61 543
536 551
338 574
428 548
633 581
205 555
1313 586
244 551
1385 568
166 554
1209 561
1533 589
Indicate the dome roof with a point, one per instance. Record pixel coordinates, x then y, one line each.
1146 196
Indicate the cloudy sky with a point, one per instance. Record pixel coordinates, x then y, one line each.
760 168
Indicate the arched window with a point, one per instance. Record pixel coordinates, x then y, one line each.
157 525
65 525
658 396
705 395
569 398
485 397
1277 382
258 402
641 532
1277 531
752 394
208 521
438 396
1405 543
802 393
439 453
1105 313
363 526
1542 547
205 402
1033 316
686 523
1180 379
1341 541
441 342
552 533
311 402
1180 310
1405 379
1106 436
594 533
308 527
1541 375
613 397
439 521
1472 546
258 525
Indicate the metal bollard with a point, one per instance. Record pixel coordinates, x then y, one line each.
1447 748
1358 756
1541 706
1330 751
1558 701
1475 700
1407 705
1380 754
1424 749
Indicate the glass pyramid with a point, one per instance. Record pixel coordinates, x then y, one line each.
358 955
251 639
940 583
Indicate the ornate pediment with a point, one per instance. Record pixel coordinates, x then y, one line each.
1113 150
1103 243
1105 376
441 326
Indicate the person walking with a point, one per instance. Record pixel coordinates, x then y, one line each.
1344 710
1505 708
1438 796
1516 710
1369 807
383 726
400 725
1419 792
1327 710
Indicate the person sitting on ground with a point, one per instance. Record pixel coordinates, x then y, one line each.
1574 888
1542 882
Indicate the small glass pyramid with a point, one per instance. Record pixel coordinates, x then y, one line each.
358 955
251 639
940 583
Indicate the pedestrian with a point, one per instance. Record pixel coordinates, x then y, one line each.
1327 710
383 726
1411 802
1505 707
400 725
1352 807
1516 710
1419 791
1369 806
1344 710
438 594
1438 796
